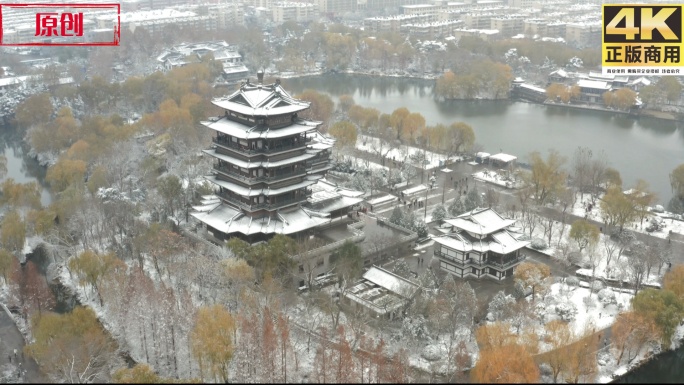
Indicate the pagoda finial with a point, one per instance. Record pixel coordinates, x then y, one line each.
260 76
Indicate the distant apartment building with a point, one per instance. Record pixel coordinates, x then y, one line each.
155 21
227 15
336 6
291 11
394 23
583 34
478 20
420 9
433 29
508 25
544 28
372 5
484 34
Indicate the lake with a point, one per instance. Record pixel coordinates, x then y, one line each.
646 148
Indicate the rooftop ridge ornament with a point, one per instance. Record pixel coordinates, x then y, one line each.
260 76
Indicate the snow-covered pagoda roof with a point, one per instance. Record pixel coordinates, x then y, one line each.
253 192
501 242
480 221
239 130
261 100
227 219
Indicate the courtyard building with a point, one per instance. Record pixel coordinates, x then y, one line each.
481 244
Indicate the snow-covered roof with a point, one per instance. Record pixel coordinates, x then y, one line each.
415 190
392 282
482 155
261 100
267 191
331 204
642 81
229 220
596 84
256 164
501 157
560 72
480 221
501 242
382 199
533 88
241 131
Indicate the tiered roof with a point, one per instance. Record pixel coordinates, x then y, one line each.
496 233
261 100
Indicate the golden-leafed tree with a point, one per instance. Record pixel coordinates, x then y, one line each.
617 208
674 281
212 341
547 177
581 364
345 134
64 173
558 336
505 364
321 105
13 231
631 332
495 335
72 346
558 91
20 194
534 275
139 374
35 109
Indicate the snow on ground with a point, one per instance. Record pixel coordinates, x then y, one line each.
590 312
496 178
670 224
618 268
401 153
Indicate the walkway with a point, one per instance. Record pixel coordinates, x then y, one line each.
11 340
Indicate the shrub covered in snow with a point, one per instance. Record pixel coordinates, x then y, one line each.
575 258
572 281
431 352
415 327
597 286
607 296
566 311
500 306
538 244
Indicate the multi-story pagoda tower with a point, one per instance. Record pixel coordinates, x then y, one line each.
265 158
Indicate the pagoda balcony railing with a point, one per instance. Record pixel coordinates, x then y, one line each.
461 262
264 150
260 206
506 263
263 178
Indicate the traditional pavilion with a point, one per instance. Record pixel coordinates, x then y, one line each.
482 244
266 159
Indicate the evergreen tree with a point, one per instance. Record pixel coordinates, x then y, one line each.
473 200
439 212
457 208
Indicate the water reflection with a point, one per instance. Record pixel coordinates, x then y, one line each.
20 166
667 368
645 148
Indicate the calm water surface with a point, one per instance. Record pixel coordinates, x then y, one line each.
647 148
20 166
